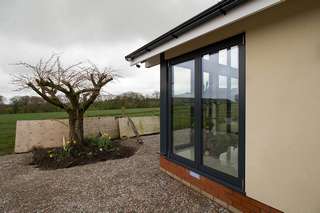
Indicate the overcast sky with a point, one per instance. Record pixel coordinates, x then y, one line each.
103 31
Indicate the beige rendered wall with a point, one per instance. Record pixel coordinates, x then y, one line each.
282 103
283 113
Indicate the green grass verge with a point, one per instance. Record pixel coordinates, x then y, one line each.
8 122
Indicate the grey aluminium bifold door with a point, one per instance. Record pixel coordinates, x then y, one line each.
206 111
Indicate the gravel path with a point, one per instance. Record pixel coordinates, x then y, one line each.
133 184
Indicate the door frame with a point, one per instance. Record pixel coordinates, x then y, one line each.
236 183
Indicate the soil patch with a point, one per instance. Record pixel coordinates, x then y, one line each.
57 158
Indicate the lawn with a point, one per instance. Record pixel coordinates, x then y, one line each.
8 122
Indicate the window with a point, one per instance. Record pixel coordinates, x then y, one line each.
220 136
206 111
183 109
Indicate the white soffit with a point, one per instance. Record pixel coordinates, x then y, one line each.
242 11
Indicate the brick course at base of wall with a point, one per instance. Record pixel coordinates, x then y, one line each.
228 198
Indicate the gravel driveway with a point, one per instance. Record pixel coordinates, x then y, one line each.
133 184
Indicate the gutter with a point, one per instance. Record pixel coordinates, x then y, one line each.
218 9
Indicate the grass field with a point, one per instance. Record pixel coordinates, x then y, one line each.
8 122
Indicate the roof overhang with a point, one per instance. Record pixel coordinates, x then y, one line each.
218 16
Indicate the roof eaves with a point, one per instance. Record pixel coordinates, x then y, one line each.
220 8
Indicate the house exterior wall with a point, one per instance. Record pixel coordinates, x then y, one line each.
283 113
282 103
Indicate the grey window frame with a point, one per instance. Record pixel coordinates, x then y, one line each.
235 183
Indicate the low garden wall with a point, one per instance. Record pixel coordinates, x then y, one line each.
50 133
144 125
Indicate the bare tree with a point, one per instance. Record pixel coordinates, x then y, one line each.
73 88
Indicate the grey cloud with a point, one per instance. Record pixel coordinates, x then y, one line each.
63 22
103 31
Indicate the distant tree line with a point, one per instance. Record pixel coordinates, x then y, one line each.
26 104
33 104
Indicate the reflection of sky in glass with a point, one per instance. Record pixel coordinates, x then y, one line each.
205 79
222 81
221 60
220 74
206 57
223 57
234 83
234 57
182 79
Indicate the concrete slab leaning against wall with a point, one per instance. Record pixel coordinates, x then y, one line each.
49 133
145 126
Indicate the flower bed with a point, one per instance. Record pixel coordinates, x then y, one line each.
93 150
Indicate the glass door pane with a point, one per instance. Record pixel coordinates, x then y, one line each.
220 104
183 109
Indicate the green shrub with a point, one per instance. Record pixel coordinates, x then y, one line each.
103 143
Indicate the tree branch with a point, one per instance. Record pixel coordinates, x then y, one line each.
50 78
55 101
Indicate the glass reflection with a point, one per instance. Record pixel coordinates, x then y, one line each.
220 95
182 109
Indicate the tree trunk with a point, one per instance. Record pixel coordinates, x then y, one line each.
76 127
